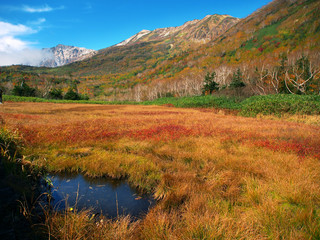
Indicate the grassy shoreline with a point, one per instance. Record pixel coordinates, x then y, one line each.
266 105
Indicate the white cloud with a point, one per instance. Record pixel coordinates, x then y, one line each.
32 57
10 44
17 51
29 9
39 21
13 30
45 8
8 40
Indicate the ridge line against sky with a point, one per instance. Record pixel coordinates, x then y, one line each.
99 24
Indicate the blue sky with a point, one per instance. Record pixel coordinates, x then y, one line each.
98 24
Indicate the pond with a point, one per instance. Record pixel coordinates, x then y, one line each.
107 196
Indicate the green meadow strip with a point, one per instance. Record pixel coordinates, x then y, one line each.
266 105
12 98
281 104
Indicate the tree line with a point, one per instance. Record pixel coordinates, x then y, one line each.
23 89
297 73
288 74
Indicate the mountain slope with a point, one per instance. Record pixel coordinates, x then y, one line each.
290 22
134 38
147 49
174 61
196 31
290 27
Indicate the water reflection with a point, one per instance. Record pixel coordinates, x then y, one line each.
107 196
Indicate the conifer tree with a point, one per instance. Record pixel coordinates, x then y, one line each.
209 84
237 80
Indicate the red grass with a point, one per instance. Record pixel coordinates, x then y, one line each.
302 149
82 132
148 123
170 132
20 116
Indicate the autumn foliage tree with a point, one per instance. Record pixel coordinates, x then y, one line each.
300 75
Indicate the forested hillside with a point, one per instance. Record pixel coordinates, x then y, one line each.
273 50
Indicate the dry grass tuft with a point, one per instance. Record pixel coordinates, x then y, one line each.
82 225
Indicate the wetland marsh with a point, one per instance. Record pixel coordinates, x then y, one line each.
214 175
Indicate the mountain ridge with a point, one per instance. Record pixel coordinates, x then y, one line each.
147 49
63 54
196 30
174 61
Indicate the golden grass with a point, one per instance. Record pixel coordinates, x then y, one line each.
216 176
308 119
74 225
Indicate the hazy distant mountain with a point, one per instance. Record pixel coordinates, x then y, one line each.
62 55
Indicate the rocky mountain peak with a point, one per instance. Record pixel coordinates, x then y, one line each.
134 38
61 55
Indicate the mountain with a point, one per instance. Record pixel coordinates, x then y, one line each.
196 31
174 60
147 49
134 38
62 55
266 47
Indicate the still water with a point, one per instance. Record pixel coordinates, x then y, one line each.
103 195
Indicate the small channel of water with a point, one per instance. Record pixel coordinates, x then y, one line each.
107 196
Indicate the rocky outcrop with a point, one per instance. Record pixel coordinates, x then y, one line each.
134 38
62 55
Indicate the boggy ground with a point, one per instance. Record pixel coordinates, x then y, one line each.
216 176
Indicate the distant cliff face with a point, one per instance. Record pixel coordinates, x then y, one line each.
62 55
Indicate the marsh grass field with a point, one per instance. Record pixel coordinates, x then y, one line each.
215 175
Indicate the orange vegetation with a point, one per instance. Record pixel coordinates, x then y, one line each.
54 124
216 176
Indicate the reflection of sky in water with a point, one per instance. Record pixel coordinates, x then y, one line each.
100 194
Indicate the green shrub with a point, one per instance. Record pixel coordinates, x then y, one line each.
72 95
55 94
24 90
281 104
208 101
